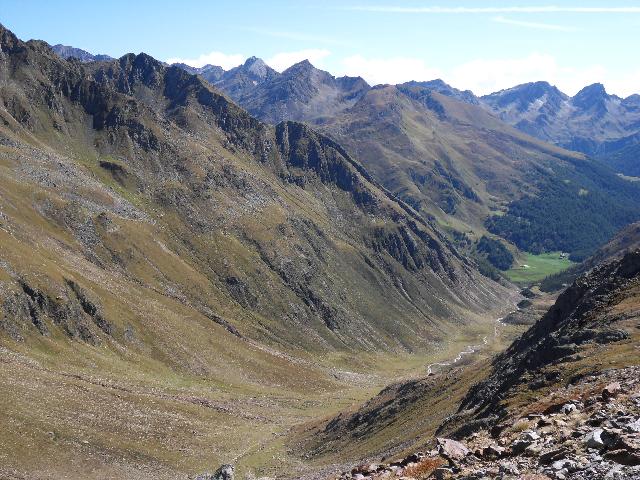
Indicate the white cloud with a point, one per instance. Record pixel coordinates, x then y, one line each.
283 60
220 59
625 84
388 70
489 75
536 25
485 10
486 75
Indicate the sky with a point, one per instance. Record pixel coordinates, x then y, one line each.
481 45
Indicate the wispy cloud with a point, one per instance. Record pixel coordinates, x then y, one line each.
220 59
297 36
537 25
494 10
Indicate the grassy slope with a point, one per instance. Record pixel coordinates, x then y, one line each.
182 395
539 267
171 392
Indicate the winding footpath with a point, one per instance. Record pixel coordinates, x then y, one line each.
468 350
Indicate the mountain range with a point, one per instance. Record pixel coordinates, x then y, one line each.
453 157
298 274
592 121
66 51
157 237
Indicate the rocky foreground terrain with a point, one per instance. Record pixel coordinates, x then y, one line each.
563 402
584 431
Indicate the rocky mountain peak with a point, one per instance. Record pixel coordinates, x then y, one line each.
257 67
303 67
632 101
590 96
540 88
141 62
522 96
66 51
8 41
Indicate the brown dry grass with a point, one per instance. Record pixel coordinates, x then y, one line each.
424 468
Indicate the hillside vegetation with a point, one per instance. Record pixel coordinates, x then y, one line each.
578 207
180 283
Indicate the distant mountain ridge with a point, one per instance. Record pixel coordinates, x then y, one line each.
302 92
237 81
450 157
592 121
448 153
211 73
66 51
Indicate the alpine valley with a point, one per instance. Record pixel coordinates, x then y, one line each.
263 274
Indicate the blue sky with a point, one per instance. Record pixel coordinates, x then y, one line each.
480 45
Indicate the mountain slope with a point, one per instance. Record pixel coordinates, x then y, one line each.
623 242
583 317
172 269
439 150
560 402
451 160
625 160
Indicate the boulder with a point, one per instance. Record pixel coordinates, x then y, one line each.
611 390
633 426
509 468
552 455
594 439
452 449
526 440
562 464
366 469
530 435
442 473
493 451
225 472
